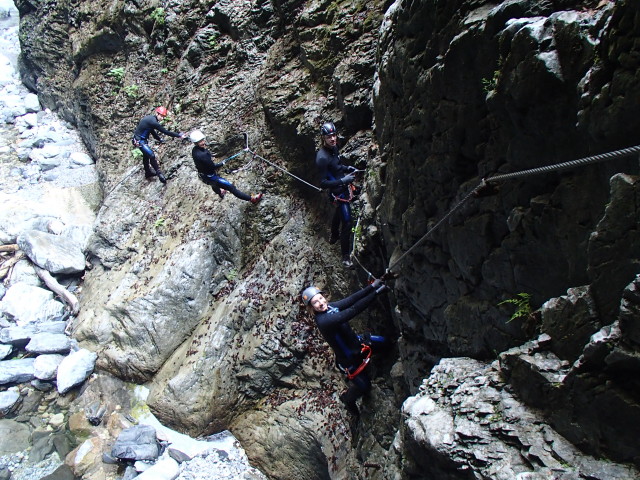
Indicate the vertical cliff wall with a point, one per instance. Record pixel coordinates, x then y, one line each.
198 297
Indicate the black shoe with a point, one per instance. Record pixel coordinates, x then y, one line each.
347 262
162 178
149 174
334 238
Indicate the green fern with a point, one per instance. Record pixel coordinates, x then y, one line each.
159 16
523 306
117 74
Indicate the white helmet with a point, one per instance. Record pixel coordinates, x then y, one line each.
196 136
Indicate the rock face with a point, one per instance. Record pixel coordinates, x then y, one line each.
198 296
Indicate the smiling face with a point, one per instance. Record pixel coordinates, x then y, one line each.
319 303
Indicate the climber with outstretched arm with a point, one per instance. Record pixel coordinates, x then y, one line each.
150 125
352 351
208 170
337 178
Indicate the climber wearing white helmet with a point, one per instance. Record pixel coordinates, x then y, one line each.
208 170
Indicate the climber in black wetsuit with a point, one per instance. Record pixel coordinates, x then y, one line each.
148 126
337 179
208 170
352 351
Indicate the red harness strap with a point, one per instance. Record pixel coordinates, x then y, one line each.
366 349
351 188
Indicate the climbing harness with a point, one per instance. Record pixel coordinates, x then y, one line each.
351 188
366 351
488 183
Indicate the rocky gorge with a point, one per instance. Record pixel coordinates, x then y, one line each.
515 322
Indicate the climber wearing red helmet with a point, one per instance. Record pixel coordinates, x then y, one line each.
148 126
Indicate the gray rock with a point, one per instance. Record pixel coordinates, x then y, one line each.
46 366
5 350
14 437
50 327
136 443
17 336
63 472
8 399
54 253
79 234
75 369
570 321
79 158
27 121
463 411
16 371
43 343
41 447
23 272
28 304
31 103
231 463
42 386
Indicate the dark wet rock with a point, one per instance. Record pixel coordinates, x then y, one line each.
63 472
136 443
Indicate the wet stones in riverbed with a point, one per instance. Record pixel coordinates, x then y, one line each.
26 304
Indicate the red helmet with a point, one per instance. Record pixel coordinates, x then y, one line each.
161 111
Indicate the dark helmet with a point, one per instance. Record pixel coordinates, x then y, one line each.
309 293
328 129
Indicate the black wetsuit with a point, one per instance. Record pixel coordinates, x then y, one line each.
331 173
208 173
346 344
149 125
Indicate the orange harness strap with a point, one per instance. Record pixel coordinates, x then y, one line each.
366 349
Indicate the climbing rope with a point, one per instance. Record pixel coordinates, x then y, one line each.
566 165
432 229
485 183
247 149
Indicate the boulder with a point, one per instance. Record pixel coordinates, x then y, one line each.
8 399
75 369
16 371
46 366
137 443
54 253
27 304
42 343
14 437
31 102
5 350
